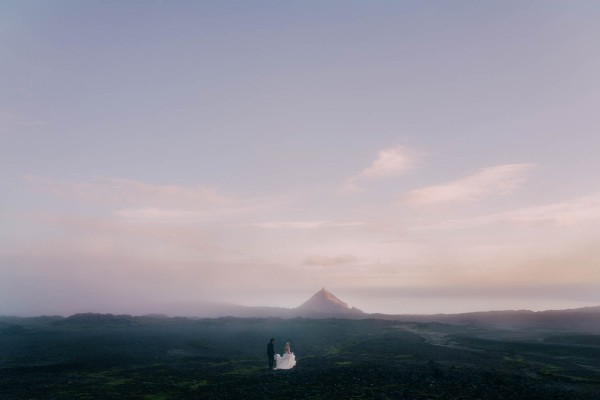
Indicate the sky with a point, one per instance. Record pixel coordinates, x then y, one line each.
410 156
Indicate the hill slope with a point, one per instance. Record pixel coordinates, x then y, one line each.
324 303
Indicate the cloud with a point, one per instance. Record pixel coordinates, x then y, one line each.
390 162
328 261
93 236
131 192
158 214
580 210
498 180
141 201
575 211
304 224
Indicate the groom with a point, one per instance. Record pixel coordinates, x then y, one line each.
271 352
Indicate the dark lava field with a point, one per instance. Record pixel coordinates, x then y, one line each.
93 356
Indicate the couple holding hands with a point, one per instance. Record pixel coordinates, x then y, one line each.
285 361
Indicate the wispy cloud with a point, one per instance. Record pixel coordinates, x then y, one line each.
498 180
580 210
390 162
159 214
131 192
155 214
304 224
330 261
140 201
575 211
88 232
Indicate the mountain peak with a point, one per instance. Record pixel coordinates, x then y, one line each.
325 302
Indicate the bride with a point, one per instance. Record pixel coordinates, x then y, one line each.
287 361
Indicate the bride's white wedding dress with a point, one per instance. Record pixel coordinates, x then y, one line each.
287 361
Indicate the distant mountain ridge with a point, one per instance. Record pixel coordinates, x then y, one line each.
325 304
585 319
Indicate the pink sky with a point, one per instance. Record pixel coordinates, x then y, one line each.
411 157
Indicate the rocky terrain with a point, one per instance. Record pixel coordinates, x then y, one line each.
95 356
342 353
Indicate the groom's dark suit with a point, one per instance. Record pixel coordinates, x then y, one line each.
271 353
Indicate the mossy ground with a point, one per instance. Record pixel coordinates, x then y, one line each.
337 359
